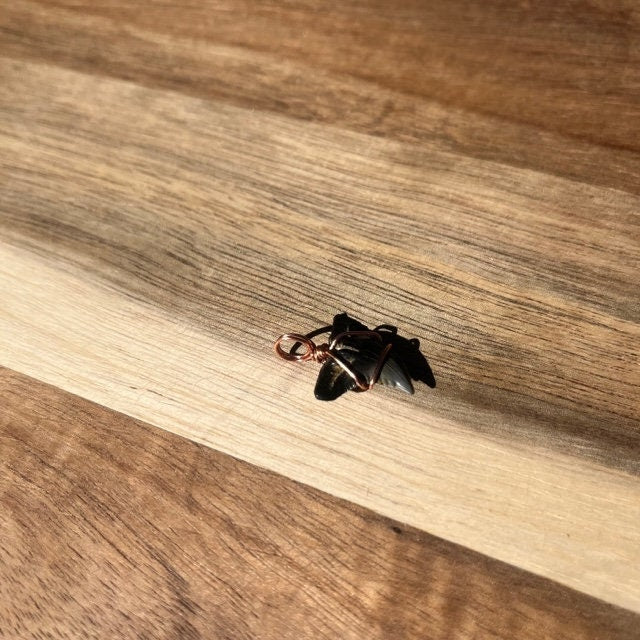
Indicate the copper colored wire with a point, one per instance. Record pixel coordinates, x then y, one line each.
322 352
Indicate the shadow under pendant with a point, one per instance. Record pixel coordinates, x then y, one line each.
355 357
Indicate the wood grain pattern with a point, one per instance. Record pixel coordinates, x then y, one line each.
179 189
111 528
494 80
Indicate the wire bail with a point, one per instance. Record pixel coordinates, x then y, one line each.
323 352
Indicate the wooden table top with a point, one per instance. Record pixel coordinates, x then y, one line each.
181 183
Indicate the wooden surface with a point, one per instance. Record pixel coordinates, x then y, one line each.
125 531
180 184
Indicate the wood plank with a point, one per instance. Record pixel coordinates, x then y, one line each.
472 82
111 528
158 233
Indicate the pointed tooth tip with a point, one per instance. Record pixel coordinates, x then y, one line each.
406 388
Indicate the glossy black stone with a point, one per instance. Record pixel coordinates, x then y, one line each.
403 363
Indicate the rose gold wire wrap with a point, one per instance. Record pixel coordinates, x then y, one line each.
322 352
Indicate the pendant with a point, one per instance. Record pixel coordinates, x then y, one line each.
356 358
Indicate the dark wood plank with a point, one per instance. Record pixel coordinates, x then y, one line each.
550 85
112 528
